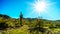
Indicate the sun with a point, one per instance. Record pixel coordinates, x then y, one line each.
40 6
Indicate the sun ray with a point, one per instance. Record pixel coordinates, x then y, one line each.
41 7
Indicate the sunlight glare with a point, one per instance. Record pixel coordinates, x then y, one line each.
40 6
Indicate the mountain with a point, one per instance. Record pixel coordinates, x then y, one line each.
4 16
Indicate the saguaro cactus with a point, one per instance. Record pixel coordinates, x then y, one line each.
21 17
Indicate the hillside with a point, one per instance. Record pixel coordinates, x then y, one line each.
8 23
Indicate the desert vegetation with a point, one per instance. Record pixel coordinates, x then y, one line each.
23 25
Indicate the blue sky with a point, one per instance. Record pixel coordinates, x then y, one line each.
13 8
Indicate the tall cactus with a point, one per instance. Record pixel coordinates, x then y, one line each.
21 17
